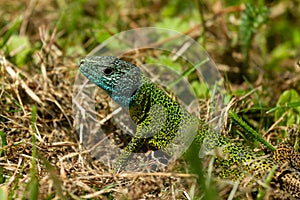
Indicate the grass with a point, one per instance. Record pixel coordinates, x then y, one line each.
255 45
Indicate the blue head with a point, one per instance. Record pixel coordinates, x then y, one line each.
120 79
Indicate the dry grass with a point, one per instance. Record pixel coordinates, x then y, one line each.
64 168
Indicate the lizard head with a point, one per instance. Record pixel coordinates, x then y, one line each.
120 79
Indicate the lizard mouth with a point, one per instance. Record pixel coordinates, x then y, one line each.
84 70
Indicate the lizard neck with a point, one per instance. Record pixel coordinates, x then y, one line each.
126 101
126 92
141 103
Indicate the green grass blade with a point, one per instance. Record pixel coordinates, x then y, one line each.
10 31
33 184
237 120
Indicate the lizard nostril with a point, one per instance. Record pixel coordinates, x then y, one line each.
81 62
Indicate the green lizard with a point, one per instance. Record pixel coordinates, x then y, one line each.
160 119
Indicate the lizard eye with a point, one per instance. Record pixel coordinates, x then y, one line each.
108 71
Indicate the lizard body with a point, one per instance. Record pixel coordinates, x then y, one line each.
160 119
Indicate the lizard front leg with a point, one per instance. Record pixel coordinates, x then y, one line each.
151 125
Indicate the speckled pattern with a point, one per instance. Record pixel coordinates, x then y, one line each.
286 153
289 176
149 106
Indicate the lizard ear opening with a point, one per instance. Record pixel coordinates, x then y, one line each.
108 71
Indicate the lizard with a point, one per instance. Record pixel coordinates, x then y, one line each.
159 119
